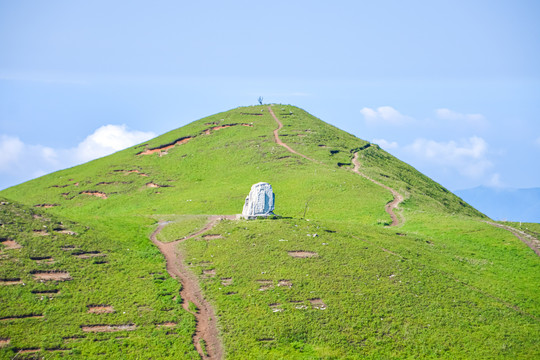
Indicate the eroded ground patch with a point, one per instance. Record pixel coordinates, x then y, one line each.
303 254
55 275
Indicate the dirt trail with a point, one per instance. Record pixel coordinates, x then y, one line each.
529 240
278 140
206 319
398 198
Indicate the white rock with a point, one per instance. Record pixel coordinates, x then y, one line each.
260 201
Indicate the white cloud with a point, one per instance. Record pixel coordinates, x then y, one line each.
471 119
107 140
11 149
21 162
495 181
385 115
468 156
387 145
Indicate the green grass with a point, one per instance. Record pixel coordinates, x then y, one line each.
128 275
443 285
180 226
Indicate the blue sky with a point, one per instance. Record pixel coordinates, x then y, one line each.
451 87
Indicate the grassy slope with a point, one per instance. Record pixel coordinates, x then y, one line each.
447 286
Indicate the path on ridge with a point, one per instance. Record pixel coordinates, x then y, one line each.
398 198
529 240
206 328
278 140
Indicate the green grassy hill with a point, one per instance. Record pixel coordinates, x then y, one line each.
444 284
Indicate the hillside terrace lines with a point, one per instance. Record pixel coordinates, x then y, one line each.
166 147
98 194
206 328
162 149
398 198
392 205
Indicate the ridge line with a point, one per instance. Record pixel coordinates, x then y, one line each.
389 207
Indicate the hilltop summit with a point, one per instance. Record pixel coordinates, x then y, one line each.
139 253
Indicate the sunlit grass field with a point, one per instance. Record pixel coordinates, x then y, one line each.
327 279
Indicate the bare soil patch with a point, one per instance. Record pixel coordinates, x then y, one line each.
226 281
100 309
215 128
4 342
303 254
69 247
210 273
287 283
212 236
73 338
27 350
87 254
317 304
166 147
265 284
98 194
45 292
67 232
17 317
276 307
55 275
167 324
41 233
12 281
46 206
10 244
43 259
113 182
127 172
108 328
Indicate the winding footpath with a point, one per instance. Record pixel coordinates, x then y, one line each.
206 328
278 140
529 240
390 207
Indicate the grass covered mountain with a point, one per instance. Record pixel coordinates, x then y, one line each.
327 279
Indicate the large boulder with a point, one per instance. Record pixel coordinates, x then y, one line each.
260 201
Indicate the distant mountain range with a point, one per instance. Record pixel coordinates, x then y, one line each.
505 204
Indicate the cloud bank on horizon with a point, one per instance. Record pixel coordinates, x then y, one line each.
22 161
468 156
